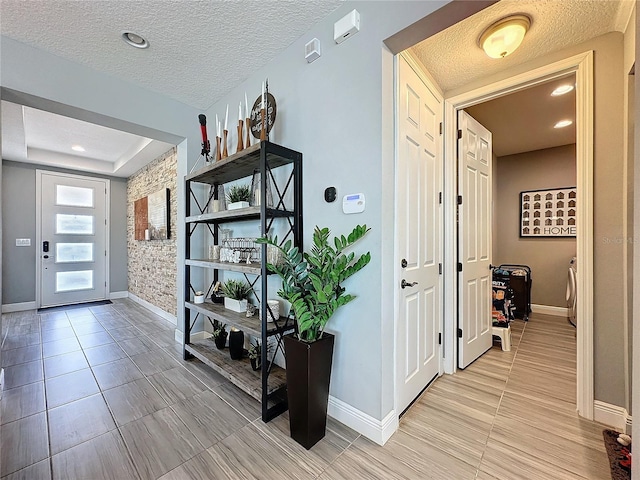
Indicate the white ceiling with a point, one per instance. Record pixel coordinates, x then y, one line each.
210 45
35 136
454 58
524 120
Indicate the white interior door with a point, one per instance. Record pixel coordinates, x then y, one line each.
418 233
474 239
73 239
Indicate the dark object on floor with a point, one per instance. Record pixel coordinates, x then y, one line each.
617 456
77 305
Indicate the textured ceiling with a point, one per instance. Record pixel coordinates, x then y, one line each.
212 46
523 121
209 46
454 58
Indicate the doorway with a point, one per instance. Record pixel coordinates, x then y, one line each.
72 232
582 66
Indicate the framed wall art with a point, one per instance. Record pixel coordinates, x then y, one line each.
548 213
151 216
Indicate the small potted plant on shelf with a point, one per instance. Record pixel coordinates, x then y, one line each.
312 283
219 334
255 354
236 293
238 197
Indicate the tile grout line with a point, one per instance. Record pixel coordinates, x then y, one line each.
504 388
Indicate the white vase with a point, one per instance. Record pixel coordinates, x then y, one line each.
239 306
236 205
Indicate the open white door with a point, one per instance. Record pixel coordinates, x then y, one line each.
474 239
418 234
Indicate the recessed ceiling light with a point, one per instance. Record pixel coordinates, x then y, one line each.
561 90
503 37
562 124
77 148
134 39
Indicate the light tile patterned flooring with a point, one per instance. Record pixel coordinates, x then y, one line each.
102 392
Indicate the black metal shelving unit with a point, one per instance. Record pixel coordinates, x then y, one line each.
268 385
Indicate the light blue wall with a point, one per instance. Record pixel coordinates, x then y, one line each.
19 272
332 111
79 92
337 111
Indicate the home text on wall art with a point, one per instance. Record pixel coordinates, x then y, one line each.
548 213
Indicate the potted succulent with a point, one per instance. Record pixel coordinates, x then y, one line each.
236 293
238 197
312 283
255 354
219 334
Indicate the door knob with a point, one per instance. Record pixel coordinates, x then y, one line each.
46 256
405 284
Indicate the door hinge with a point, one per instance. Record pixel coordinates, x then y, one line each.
459 199
459 134
105 253
105 284
440 128
459 266
439 269
459 333
439 338
440 198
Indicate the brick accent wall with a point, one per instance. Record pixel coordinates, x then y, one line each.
152 264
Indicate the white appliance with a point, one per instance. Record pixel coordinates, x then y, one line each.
572 291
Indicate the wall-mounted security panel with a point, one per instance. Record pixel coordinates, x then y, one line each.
353 203
347 26
312 50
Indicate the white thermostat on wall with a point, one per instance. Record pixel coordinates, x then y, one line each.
353 203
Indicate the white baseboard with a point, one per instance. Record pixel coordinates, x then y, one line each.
612 415
179 336
158 311
18 307
378 431
549 310
114 295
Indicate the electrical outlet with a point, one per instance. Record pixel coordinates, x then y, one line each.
23 242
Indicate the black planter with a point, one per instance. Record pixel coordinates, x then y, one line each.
308 376
236 344
221 340
255 363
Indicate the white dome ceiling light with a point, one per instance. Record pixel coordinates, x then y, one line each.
503 37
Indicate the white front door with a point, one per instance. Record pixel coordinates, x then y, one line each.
418 234
72 216
474 239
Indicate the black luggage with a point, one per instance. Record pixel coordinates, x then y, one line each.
518 280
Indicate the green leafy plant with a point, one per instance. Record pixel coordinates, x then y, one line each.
218 329
239 193
255 350
236 289
312 281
